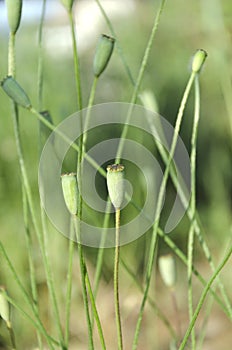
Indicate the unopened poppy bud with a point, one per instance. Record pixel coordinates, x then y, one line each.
4 307
15 91
14 10
68 4
70 192
167 270
115 184
103 53
198 60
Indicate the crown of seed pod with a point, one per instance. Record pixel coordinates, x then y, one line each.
115 184
167 270
4 306
198 60
103 53
68 4
14 10
15 91
70 191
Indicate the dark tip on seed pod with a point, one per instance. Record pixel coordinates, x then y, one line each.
14 10
198 60
103 53
70 191
115 184
15 91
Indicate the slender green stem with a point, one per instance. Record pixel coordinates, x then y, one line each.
76 60
138 81
203 297
26 298
95 312
11 55
69 283
193 204
159 206
12 336
40 57
116 279
83 270
152 303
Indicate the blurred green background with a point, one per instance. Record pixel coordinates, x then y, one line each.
185 26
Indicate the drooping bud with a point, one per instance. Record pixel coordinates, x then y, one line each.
167 270
198 60
15 91
103 53
14 10
4 307
70 192
68 4
115 184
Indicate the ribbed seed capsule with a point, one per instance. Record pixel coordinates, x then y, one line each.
115 184
167 270
103 53
198 60
70 192
68 4
14 10
15 91
4 306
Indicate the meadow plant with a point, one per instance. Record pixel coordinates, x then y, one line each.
63 326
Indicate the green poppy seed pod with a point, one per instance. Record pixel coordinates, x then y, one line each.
198 60
68 4
167 270
4 306
70 192
14 10
15 91
115 184
103 53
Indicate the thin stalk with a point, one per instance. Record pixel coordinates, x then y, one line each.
83 282
203 297
152 303
27 298
95 312
125 128
159 206
116 279
76 60
12 336
138 81
40 57
69 284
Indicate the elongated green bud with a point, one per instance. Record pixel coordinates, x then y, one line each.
68 4
14 10
103 53
70 192
15 91
4 307
198 60
115 184
167 270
